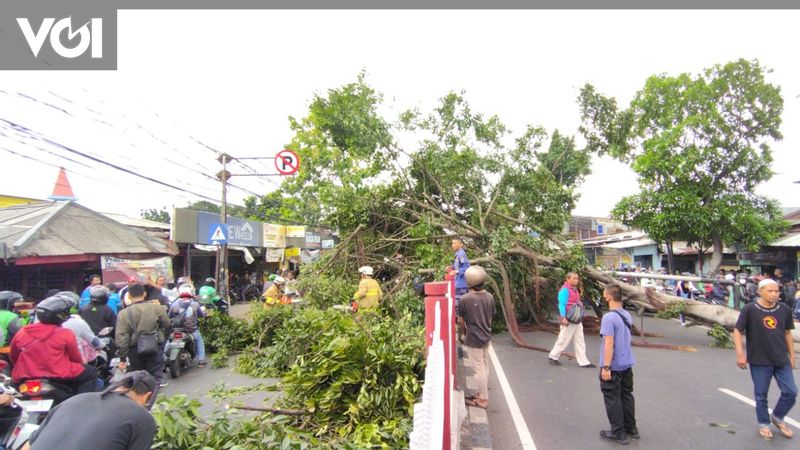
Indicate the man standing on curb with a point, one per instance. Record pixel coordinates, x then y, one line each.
460 265
616 369
768 326
567 297
475 314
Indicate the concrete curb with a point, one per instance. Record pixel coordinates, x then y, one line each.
475 431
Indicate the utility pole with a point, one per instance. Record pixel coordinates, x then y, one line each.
222 252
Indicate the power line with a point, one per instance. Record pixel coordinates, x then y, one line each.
98 160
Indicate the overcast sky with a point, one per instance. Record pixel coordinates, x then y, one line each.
230 79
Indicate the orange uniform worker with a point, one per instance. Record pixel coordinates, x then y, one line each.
369 292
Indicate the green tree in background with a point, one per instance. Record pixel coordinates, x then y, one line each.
700 146
156 215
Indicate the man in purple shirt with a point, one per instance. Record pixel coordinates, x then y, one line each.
616 369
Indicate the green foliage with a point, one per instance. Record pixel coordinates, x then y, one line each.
225 332
359 377
322 291
700 145
722 338
220 358
407 304
156 215
675 310
180 427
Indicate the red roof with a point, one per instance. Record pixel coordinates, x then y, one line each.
62 189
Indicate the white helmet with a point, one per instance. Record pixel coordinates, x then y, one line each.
279 280
366 270
186 290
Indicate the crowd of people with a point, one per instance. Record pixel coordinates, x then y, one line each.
59 340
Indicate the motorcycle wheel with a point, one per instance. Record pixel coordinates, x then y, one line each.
175 367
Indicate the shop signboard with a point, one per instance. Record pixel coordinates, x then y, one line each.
274 236
295 236
117 270
274 255
240 232
313 240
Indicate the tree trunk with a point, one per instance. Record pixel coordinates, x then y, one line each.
638 295
716 256
670 257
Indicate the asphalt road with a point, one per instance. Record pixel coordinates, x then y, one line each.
678 401
197 382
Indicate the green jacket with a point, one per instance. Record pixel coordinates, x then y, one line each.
9 325
140 317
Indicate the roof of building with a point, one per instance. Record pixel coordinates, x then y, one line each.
787 240
67 228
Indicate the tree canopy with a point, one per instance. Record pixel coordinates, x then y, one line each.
700 145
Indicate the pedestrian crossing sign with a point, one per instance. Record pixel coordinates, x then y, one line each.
216 235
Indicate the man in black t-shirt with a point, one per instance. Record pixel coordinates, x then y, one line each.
475 312
768 326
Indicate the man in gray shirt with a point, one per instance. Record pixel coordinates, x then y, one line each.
475 312
115 419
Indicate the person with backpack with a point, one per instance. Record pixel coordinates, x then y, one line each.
141 328
185 313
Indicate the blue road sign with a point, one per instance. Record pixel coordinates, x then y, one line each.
217 233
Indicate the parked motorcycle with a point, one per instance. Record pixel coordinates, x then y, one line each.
15 429
180 351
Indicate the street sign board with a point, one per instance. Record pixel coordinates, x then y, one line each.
217 233
287 162
245 233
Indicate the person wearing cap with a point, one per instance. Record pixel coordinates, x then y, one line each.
475 312
115 419
273 295
369 293
767 325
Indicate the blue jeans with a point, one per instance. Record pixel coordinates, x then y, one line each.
201 347
762 377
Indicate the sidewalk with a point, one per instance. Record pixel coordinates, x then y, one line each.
475 431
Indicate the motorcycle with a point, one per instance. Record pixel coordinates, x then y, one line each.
17 429
39 395
180 351
104 361
212 301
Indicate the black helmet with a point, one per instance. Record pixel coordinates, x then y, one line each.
8 298
70 296
99 294
211 282
54 310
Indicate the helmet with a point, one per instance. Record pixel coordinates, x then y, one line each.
280 280
182 280
186 291
475 276
99 294
8 298
210 282
70 296
272 277
366 270
54 310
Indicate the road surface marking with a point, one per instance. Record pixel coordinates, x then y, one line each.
522 428
752 403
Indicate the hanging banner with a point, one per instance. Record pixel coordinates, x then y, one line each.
295 236
292 251
309 255
326 243
312 240
274 235
274 255
117 270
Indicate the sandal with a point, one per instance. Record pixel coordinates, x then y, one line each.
781 426
483 404
765 433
